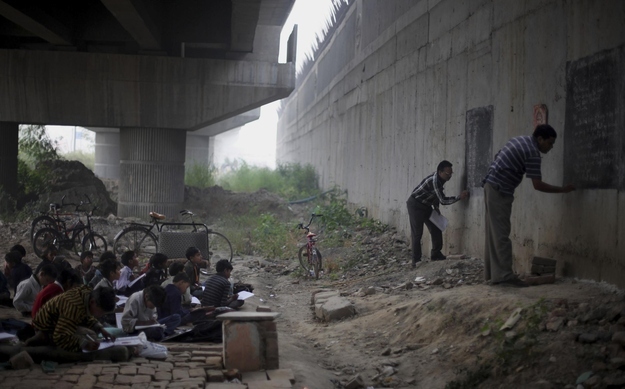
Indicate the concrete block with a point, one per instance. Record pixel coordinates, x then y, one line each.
123 379
263 308
214 362
320 297
281 374
337 308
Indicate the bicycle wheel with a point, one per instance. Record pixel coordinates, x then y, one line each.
40 222
45 237
95 243
316 262
78 239
219 247
138 239
302 254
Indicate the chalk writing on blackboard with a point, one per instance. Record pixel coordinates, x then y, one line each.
478 144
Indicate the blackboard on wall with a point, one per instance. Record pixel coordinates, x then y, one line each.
478 144
594 121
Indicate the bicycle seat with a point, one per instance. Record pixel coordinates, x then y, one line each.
311 234
158 216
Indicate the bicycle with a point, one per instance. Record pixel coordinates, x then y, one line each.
312 265
52 218
56 233
143 238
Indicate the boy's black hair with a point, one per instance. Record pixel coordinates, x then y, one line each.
19 248
175 268
49 270
107 255
182 276
68 276
108 266
158 261
127 256
49 249
155 294
85 254
191 251
545 131
223 265
13 257
104 298
442 165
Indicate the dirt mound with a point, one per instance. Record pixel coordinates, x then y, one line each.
74 180
215 202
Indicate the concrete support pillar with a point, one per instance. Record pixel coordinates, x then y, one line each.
197 150
151 171
8 156
107 154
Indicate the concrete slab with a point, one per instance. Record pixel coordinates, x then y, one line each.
248 316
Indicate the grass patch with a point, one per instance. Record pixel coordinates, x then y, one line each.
199 175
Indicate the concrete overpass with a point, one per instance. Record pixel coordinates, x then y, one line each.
153 69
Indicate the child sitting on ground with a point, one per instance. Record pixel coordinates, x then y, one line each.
173 302
175 268
140 310
27 290
157 272
130 262
86 270
66 280
110 270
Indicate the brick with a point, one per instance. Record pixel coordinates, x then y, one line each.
70 378
158 385
198 359
254 376
110 370
93 370
121 387
123 379
214 362
180 374
140 360
215 375
146 370
86 380
141 379
197 372
106 378
226 386
16 373
263 308
128 370
145 385
282 384
541 280
162 376
281 374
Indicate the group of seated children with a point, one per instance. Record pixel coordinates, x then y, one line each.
70 307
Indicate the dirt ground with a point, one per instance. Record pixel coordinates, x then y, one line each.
442 331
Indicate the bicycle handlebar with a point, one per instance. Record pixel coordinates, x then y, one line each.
301 226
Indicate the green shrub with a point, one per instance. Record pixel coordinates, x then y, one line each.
291 181
199 175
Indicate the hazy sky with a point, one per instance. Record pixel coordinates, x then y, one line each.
257 140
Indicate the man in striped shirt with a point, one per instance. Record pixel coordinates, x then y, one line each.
424 200
519 156
218 289
58 320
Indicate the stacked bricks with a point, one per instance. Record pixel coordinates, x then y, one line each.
543 271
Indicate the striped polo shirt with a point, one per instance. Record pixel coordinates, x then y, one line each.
520 155
430 192
61 316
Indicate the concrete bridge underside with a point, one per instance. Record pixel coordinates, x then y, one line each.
151 70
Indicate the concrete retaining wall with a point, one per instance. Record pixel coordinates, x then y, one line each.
388 99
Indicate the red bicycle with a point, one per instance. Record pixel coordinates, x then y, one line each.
309 256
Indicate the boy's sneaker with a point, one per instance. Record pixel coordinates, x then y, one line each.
438 257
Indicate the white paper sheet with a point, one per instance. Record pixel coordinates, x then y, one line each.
151 325
136 279
195 300
243 295
6 336
439 220
118 319
122 300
